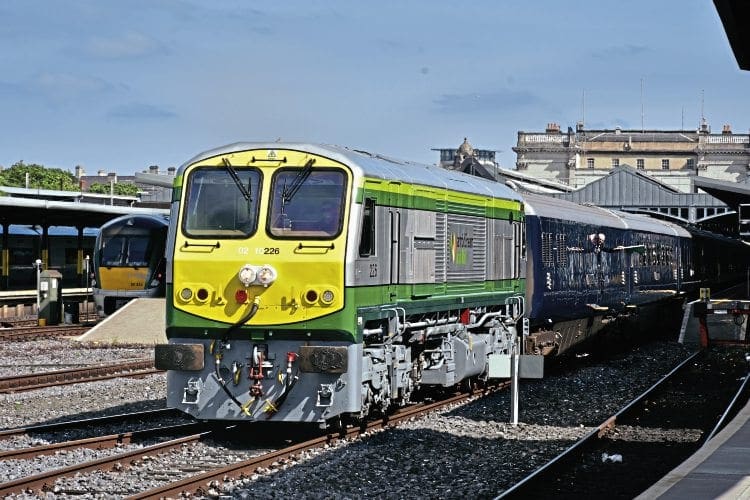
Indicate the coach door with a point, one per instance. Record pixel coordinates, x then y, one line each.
394 221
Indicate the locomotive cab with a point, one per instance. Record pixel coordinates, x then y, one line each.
265 235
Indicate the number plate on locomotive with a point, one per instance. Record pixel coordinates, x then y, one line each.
323 359
188 357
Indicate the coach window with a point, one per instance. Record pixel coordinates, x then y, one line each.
222 202
307 203
367 240
547 249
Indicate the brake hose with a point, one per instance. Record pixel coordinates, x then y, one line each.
219 355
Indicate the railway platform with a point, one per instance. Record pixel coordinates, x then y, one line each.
140 321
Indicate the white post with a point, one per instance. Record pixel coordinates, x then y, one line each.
86 297
514 358
38 264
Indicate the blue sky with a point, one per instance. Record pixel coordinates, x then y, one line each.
119 86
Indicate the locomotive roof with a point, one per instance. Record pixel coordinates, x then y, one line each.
556 208
378 166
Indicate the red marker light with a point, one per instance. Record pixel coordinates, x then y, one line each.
240 296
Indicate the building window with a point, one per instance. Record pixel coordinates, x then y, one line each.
639 164
691 163
615 162
590 162
665 164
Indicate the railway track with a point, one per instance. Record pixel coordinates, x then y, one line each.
18 383
638 445
131 440
209 482
88 423
202 482
41 332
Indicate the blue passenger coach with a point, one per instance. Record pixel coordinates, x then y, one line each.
588 266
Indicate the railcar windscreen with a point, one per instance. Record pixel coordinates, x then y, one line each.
313 208
125 250
216 207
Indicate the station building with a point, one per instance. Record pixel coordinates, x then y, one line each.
42 229
675 158
548 164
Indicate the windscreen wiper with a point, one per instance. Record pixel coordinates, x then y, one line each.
236 178
288 192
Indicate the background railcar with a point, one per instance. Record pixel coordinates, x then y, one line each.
308 283
719 261
129 261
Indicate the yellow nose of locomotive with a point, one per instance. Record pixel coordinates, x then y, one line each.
270 233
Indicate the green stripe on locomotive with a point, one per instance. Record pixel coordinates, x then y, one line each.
360 302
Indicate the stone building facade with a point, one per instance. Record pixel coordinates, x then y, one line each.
480 162
579 157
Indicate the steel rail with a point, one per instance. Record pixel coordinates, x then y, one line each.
19 383
197 483
33 332
87 422
100 442
726 413
44 480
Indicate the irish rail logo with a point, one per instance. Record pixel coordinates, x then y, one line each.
461 244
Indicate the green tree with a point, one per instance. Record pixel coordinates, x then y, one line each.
39 177
120 189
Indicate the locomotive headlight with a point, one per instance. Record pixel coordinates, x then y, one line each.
327 296
266 275
247 274
186 294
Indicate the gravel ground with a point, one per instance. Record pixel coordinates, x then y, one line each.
468 451
70 402
472 451
19 358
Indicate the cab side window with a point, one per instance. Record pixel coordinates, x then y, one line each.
367 239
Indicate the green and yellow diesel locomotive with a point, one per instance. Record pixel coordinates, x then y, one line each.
309 283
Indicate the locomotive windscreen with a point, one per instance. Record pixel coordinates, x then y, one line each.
311 207
219 204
